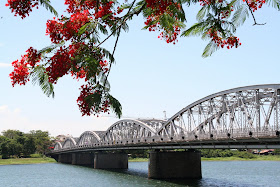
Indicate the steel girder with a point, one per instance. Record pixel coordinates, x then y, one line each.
88 138
69 143
128 130
251 111
57 146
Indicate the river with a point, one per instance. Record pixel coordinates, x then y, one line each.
214 173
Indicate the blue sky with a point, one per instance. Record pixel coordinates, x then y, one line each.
149 77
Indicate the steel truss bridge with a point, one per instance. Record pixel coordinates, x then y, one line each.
244 117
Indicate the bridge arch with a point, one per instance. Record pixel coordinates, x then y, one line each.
128 131
245 111
88 138
69 143
57 146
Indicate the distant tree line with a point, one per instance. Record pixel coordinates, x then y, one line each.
206 153
14 143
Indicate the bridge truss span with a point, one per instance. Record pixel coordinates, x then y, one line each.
88 138
240 118
244 112
131 131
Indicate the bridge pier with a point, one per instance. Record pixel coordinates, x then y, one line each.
65 158
110 161
172 165
83 159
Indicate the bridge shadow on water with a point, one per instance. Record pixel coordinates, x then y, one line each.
204 182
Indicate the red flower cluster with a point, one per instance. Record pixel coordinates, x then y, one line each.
20 73
66 29
32 56
21 70
79 5
104 9
22 7
80 74
85 107
229 42
60 65
119 10
62 61
205 2
170 37
159 8
255 4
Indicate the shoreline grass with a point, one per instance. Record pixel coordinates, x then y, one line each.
18 161
232 158
138 159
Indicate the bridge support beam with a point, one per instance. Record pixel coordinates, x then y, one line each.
83 159
110 161
65 158
173 165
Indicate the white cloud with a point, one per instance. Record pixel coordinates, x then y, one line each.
4 65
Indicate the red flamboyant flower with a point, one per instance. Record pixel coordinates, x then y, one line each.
85 107
20 73
65 29
229 42
22 7
255 4
21 68
159 8
33 57
60 64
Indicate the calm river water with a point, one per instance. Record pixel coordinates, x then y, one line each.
228 173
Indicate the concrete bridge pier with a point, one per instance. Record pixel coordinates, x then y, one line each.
65 158
175 165
110 160
83 159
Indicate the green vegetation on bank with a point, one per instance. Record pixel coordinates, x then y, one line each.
16 144
213 155
138 159
14 161
234 158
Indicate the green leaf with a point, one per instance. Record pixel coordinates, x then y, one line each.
240 15
39 77
274 3
115 106
195 30
201 13
209 49
47 5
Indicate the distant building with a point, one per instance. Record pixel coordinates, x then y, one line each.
62 138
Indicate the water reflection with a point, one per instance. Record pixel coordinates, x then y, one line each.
215 174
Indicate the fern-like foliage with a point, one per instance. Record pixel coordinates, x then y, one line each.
274 3
39 77
48 6
209 49
115 105
240 15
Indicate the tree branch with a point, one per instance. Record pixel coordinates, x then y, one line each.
122 22
253 15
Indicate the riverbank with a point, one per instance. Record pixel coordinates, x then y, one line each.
16 161
232 158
